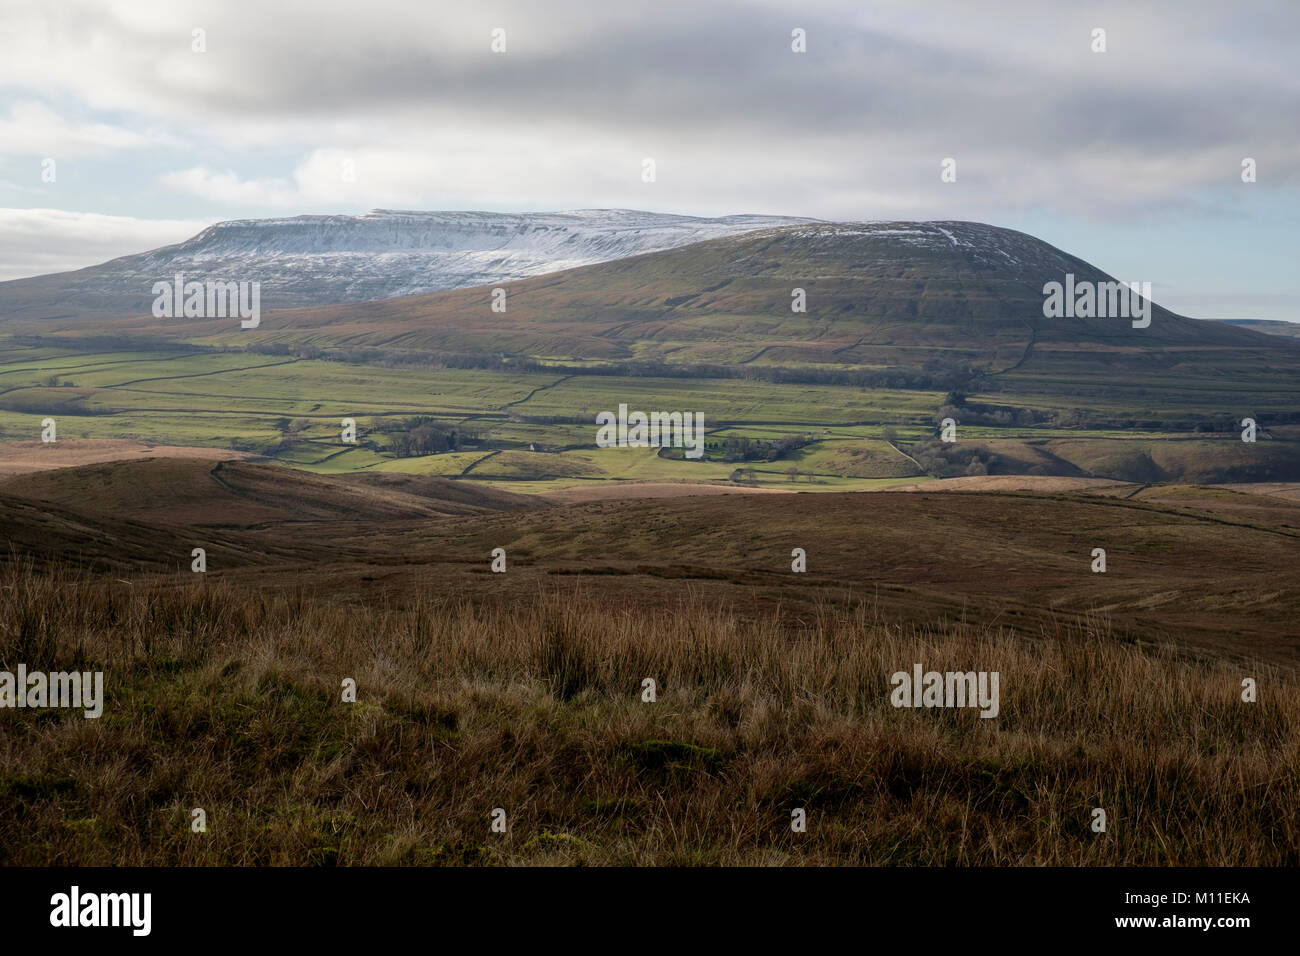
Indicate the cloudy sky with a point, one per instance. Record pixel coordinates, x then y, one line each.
1131 158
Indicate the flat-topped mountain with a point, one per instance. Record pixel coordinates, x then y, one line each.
914 304
873 294
318 260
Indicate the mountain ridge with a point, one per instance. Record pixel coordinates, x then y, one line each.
915 303
317 260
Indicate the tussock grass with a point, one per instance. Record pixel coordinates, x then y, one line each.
229 700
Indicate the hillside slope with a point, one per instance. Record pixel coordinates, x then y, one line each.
231 494
868 286
1020 559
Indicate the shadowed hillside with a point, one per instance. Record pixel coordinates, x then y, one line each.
148 515
898 294
237 493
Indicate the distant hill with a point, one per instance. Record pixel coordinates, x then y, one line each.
1269 326
908 296
954 308
319 260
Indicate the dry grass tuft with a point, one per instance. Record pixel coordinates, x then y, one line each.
229 700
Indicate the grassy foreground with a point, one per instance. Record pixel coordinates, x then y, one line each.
229 700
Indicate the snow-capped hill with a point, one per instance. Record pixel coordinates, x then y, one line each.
975 245
587 233
321 260
317 260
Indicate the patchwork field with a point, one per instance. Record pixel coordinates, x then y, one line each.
537 428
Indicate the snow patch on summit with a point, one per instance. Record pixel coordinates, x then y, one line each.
317 260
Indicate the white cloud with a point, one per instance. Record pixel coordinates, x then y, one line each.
1042 128
853 128
33 129
39 241
228 187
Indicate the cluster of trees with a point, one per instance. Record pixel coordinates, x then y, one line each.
952 460
999 415
756 449
422 435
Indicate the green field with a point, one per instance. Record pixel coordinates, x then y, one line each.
533 430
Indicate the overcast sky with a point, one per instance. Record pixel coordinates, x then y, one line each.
1131 158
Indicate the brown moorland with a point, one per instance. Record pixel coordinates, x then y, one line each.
523 690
